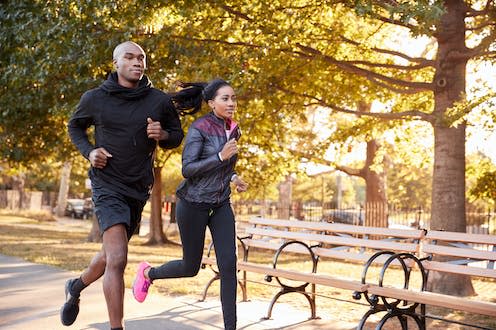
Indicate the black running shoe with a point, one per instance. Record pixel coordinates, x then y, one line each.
70 310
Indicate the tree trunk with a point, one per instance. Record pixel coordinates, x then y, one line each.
94 234
376 208
156 235
375 191
63 188
285 196
19 181
448 186
375 182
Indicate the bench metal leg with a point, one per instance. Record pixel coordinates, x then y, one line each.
402 317
310 298
394 308
242 285
287 288
271 305
212 280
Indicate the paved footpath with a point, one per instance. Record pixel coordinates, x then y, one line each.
31 296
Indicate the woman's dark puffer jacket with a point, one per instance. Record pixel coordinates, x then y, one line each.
207 178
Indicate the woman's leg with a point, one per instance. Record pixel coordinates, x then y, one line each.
192 224
223 230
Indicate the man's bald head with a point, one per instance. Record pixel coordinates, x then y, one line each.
122 47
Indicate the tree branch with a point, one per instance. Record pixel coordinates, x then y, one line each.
351 171
295 7
387 66
488 53
392 21
482 26
419 60
407 91
412 114
318 160
237 13
370 75
483 46
219 41
384 3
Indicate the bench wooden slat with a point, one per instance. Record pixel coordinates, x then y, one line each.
321 252
336 240
354 256
304 277
428 298
339 228
459 269
297 276
275 246
458 252
461 237
343 255
435 299
209 261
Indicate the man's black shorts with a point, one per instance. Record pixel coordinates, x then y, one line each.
112 208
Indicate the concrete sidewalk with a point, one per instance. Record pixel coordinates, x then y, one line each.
31 296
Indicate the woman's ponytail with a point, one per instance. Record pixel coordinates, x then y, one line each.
188 100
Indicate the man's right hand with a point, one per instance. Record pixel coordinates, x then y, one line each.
98 157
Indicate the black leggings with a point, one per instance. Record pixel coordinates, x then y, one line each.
193 221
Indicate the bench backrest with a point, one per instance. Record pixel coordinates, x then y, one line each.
460 253
337 227
338 241
450 252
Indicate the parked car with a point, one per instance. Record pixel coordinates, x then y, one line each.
79 208
88 208
351 217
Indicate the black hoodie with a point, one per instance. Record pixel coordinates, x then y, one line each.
119 116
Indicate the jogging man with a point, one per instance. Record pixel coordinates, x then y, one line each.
130 118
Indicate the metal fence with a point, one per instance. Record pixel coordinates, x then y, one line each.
479 220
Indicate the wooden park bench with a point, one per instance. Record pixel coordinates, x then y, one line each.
410 250
315 240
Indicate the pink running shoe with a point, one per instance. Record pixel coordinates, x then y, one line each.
141 283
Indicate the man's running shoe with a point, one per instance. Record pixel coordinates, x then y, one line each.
70 310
